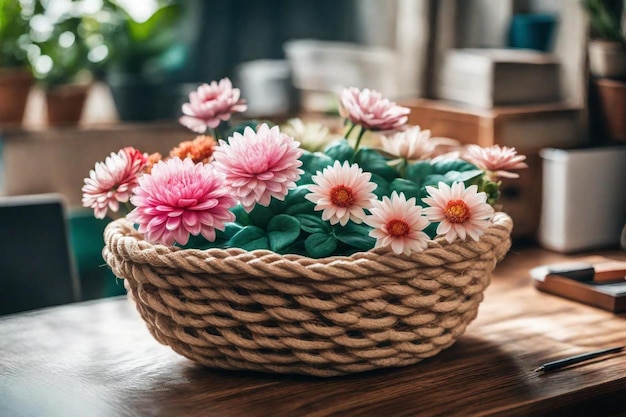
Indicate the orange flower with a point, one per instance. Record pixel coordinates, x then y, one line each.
199 150
152 160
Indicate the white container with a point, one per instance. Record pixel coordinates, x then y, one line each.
583 198
267 87
331 66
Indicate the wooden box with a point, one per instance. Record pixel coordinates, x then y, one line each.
527 128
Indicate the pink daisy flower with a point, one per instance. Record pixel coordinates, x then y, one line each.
398 223
368 108
111 181
210 104
413 143
496 160
179 198
259 165
342 192
461 211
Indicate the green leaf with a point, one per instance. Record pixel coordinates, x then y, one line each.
446 165
340 151
320 245
295 203
409 188
241 216
311 223
312 162
383 186
418 171
373 162
467 177
282 231
431 230
229 231
433 181
249 238
356 235
162 18
260 215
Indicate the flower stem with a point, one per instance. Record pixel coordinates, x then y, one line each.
350 130
358 139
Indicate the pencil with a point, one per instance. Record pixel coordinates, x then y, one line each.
561 363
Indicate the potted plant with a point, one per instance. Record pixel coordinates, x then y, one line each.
145 57
60 63
251 253
15 77
607 65
607 46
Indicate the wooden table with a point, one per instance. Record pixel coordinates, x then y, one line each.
98 359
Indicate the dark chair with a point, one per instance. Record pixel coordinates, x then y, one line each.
36 265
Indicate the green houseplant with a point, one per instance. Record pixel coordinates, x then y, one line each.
607 63
61 65
15 77
607 46
144 58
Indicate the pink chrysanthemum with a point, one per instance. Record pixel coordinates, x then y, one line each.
368 108
495 160
398 223
210 104
111 181
342 192
179 198
259 165
461 211
413 143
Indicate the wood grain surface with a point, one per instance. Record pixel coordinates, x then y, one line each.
98 359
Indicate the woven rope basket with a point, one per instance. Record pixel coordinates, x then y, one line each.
262 311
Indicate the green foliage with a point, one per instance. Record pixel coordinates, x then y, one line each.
282 231
67 52
340 151
605 19
320 245
371 161
250 238
312 162
14 30
145 48
355 235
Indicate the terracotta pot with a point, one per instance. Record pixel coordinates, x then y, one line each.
607 59
612 100
15 84
65 104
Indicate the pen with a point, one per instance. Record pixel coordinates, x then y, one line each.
561 363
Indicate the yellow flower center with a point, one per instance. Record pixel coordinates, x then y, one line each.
457 211
398 228
342 196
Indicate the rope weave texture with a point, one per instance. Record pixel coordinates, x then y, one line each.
262 311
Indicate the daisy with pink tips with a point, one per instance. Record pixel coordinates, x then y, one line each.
495 160
343 192
179 198
211 104
398 223
460 211
259 165
414 144
369 109
112 181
